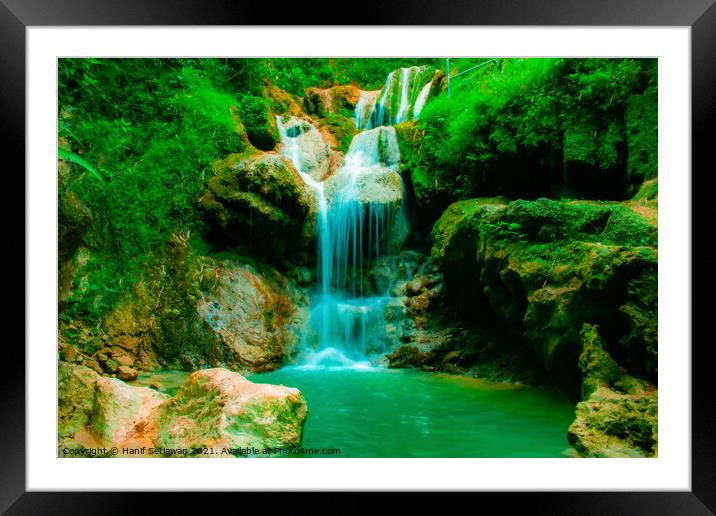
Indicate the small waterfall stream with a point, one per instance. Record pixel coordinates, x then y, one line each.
360 216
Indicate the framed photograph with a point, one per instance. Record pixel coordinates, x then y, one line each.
435 254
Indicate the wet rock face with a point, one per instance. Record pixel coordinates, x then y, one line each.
261 203
218 408
256 315
425 331
318 159
214 408
377 185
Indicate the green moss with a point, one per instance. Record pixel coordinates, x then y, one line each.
259 122
598 367
75 398
641 118
580 143
342 127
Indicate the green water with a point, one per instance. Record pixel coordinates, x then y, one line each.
401 413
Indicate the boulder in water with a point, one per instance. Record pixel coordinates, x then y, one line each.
125 414
217 408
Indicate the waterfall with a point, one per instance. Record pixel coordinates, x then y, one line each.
422 98
360 217
402 98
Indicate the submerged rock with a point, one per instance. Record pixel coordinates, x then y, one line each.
217 408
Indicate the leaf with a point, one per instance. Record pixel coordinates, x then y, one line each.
79 160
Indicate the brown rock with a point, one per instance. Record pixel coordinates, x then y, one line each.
126 341
68 353
127 373
122 358
219 408
94 365
125 415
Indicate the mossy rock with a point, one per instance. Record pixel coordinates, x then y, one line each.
546 267
75 398
259 122
261 203
220 409
641 117
618 416
342 128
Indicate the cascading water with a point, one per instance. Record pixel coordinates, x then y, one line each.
421 100
360 215
402 98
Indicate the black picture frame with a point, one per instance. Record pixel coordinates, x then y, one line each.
17 15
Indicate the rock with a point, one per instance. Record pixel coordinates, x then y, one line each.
94 365
610 424
317 157
187 362
99 411
338 99
302 276
122 358
75 398
217 408
127 342
261 202
283 102
68 354
375 185
73 220
618 416
257 315
125 415
259 122
111 365
127 373
338 131
500 263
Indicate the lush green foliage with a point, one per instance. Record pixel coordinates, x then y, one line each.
151 129
522 108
